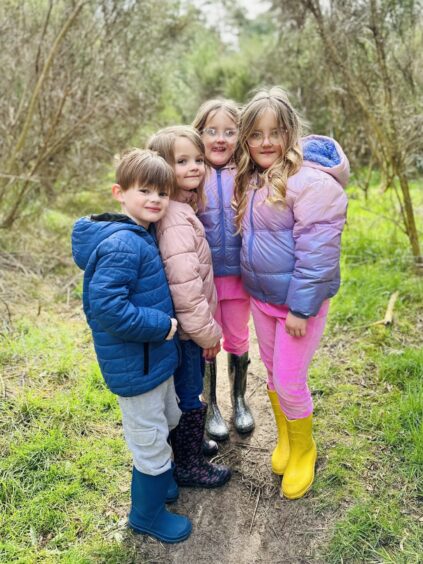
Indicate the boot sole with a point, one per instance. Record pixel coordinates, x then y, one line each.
219 438
297 495
163 538
244 431
211 452
300 493
206 486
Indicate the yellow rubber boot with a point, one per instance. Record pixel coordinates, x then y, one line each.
299 473
280 453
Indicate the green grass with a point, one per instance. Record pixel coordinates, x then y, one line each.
64 462
375 530
64 467
370 386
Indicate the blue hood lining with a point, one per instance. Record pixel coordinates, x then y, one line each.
321 151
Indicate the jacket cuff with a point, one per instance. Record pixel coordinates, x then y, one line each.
299 314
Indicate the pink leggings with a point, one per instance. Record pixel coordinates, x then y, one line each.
233 316
287 358
233 313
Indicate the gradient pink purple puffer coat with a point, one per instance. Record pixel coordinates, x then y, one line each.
290 255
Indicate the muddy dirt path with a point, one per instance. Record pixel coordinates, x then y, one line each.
245 521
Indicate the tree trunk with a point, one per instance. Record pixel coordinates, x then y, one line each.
413 234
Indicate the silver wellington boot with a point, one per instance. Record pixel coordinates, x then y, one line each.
238 367
215 424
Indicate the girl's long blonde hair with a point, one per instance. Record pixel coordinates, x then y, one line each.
276 176
163 142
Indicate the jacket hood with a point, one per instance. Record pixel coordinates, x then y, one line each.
89 232
325 154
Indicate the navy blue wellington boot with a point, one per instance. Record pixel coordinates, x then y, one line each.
148 513
173 488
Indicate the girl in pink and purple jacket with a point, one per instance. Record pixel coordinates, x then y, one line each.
292 208
217 122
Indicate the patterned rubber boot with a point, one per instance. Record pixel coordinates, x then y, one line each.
191 468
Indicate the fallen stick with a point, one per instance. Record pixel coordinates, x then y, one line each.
245 445
255 511
2 388
389 315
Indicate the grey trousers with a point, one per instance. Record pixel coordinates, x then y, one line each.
147 420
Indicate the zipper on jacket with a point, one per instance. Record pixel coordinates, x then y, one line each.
146 358
222 210
251 240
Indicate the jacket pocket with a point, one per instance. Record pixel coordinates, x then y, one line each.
146 358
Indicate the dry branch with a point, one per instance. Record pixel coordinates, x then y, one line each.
387 320
255 510
38 87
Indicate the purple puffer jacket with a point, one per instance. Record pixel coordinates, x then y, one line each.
290 255
218 220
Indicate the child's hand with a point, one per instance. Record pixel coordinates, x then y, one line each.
295 326
173 329
212 352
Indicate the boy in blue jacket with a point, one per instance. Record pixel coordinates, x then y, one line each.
129 309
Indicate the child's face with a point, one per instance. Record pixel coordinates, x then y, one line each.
266 140
219 137
142 204
189 170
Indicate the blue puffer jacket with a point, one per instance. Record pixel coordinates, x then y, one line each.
127 302
290 254
219 224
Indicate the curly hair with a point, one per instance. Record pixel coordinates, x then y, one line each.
276 176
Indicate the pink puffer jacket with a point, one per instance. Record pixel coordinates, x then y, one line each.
188 265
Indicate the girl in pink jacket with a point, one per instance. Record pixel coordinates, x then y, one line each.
188 265
291 210
217 122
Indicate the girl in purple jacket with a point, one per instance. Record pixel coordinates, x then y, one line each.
292 208
217 122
